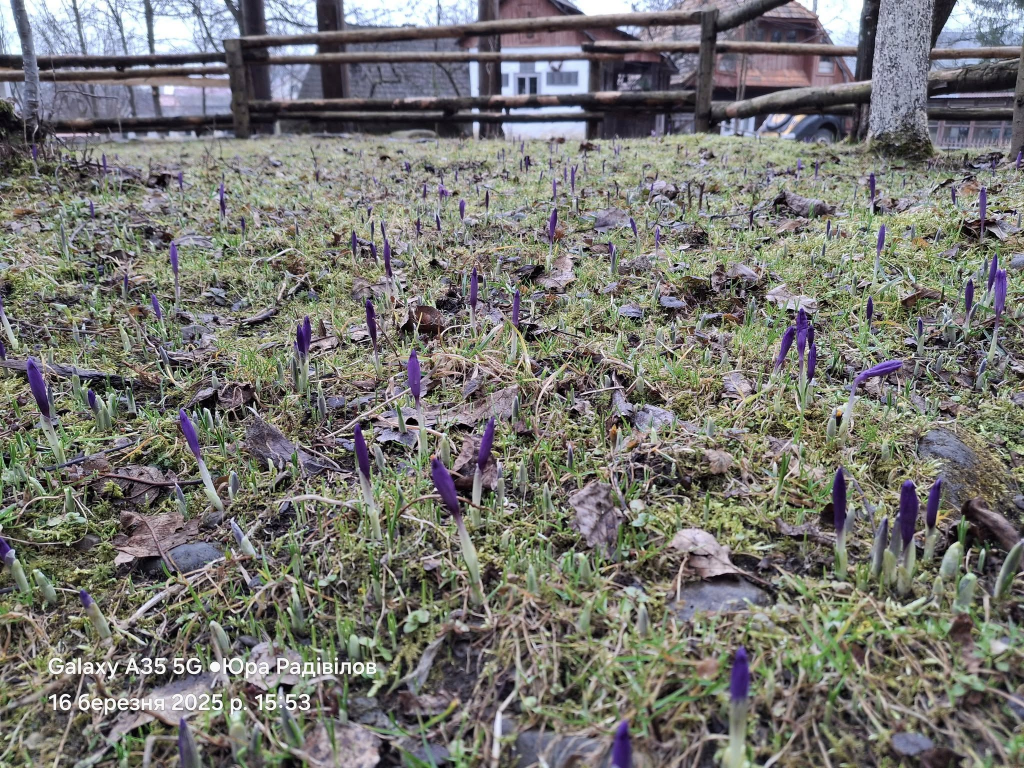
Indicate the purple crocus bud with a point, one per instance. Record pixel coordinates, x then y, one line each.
920 327
909 506
91 397
103 163
415 379
5 548
189 432
419 227
1016 165
424 190
437 221
871 186
952 195
515 308
85 598
572 178
552 224
474 288
739 680
355 244
383 229
828 229
657 237
622 749
181 181
554 189
881 240
156 306
223 201
125 284
486 444
188 750
174 258
869 313
445 486
999 294
92 210
931 512
3 351
387 259
462 210
371 323
373 252
992 270
982 206
487 200
799 165
839 501
968 296
37 384
802 329
632 225
362 454
787 342
408 166
812 361
307 332
35 153
241 223
876 371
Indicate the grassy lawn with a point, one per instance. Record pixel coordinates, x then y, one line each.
650 458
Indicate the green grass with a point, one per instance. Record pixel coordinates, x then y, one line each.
838 668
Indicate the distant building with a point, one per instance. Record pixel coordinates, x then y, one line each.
744 76
951 133
636 72
398 80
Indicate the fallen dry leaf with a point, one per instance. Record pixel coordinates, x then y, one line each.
610 218
703 553
783 297
807 531
424 319
919 294
267 443
803 206
736 385
990 525
560 276
719 462
464 467
266 655
598 518
134 484
424 704
143 533
344 745
499 404
162 702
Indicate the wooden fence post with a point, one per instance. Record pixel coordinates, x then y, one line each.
593 85
1017 137
238 77
705 71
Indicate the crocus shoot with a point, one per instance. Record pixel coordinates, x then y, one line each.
9 560
37 384
174 269
363 465
931 517
998 306
445 486
8 330
486 445
192 439
371 328
415 382
96 617
739 704
909 507
188 750
875 371
622 748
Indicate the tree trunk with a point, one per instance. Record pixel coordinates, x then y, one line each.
899 97
330 17
254 22
865 58
147 7
1017 138
489 72
940 15
30 102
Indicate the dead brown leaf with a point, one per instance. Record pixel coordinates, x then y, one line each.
142 534
703 553
498 404
464 467
424 704
345 745
598 517
803 206
424 319
719 462
807 531
267 443
560 276
162 703
920 293
134 484
783 297
736 385
991 525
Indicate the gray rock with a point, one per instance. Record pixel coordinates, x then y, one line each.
723 595
188 557
1017 261
910 744
969 469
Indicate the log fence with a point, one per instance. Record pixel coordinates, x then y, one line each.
242 56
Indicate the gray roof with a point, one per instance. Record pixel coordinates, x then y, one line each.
397 80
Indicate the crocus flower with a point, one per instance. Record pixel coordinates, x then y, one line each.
875 371
362 454
839 501
91 398
787 341
739 693
486 445
445 486
99 621
92 210
992 270
371 323
999 294
516 299
413 370
802 326
870 311
881 241
909 507
462 210
572 178
632 225
968 296
355 244
302 340
37 384
241 223
622 749
487 200
307 332
5 549
552 224
437 221
931 514
3 351
952 195
156 307
174 259
181 181
871 187
189 433
657 237
812 361
223 201
188 751
474 287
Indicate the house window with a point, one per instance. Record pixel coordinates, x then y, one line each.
776 35
504 79
563 78
526 85
826 66
791 36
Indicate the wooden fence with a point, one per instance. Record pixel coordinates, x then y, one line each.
244 56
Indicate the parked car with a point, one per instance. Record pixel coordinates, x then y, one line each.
817 128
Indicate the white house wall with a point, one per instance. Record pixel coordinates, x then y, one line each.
571 130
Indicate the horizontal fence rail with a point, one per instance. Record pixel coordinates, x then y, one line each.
134 60
440 57
106 75
794 49
438 117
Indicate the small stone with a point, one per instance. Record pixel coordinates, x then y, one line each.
187 557
1017 261
910 744
722 595
86 543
